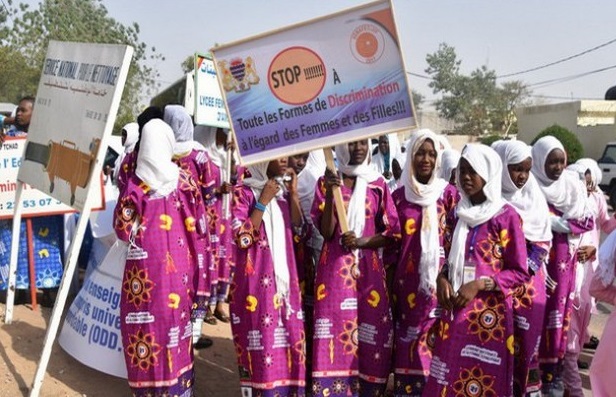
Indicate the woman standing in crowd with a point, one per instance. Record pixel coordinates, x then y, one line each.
192 159
449 163
582 302
308 167
221 239
566 198
473 353
389 148
521 190
353 331
603 288
157 219
425 205
268 328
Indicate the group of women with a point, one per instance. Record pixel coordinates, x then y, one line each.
459 278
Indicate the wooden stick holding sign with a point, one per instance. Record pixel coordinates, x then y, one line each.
226 198
340 210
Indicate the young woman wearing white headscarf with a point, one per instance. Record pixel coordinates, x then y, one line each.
569 217
267 325
353 324
389 148
191 157
583 303
130 136
474 343
521 190
425 205
449 162
566 197
222 267
157 218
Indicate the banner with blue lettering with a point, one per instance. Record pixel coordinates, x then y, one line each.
336 79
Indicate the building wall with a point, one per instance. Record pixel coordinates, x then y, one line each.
593 122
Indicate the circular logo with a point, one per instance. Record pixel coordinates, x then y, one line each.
296 75
367 43
488 319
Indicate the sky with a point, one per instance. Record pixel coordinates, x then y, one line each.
507 36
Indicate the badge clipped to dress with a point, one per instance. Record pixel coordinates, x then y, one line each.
469 271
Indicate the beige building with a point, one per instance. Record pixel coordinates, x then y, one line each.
593 122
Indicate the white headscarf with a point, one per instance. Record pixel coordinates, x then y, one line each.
356 212
132 136
273 221
181 124
154 164
378 162
486 162
595 172
426 197
207 136
307 180
568 193
529 201
449 161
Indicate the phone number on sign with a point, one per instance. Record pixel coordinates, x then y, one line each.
42 202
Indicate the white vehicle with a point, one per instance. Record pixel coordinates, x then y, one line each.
607 164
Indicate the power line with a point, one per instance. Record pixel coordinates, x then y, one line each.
8 13
579 54
546 83
420 75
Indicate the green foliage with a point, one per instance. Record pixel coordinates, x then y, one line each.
418 99
475 102
490 139
572 144
81 21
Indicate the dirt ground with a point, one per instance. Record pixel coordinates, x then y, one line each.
21 344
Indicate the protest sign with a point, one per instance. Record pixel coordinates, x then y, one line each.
336 79
78 85
35 203
209 105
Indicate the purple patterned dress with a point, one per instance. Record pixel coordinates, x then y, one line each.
474 346
353 329
267 331
561 267
158 287
416 312
529 310
221 240
196 165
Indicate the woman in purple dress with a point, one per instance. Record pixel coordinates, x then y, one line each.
192 159
221 239
569 218
266 310
353 330
521 190
425 207
158 219
474 343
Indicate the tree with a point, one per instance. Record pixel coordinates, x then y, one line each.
475 102
418 99
84 21
571 143
188 64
